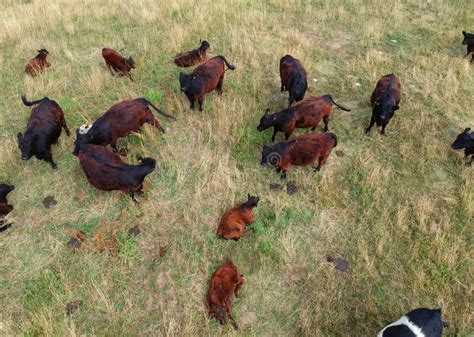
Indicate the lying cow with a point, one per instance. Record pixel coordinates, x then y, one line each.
205 78
234 221
302 151
107 172
192 57
36 65
305 114
5 208
420 322
465 140
385 100
43 130
117 62
225 282
119 121
293 78
469 41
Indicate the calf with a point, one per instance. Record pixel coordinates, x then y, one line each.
43 130
304 114
117 62
225 282
119 121
234 221
420 322
465 141
469 41
205 78
302 151
5 208
384 101
36 65
192 57
106 171
293 78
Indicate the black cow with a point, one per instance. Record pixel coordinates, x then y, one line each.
469 42
5 208
465 141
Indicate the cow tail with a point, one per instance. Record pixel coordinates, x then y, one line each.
230 66
27 103
339 106
158 110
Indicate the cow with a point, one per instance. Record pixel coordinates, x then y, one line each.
192 57
36 65
107 172
117 62
43 130
469 41
119 121
304 114
225 282
465 140
203 79
5 208
301 151
234 221
293 78
385 101
421 322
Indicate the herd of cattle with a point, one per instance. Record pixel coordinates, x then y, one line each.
105 170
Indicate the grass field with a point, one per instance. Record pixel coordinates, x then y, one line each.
399 208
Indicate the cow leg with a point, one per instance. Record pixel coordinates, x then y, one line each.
64 125
372 123
219 86
200 101
156 124
326 123
132 195
49 158
282 87
313 128
237 289
287 135
321 162
382 132
114 147
130 76
283 174
290 100
110 68
274 134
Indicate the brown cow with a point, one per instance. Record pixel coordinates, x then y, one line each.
302 151
192 57
225 282
234 221
36 65
117 62
5 208
305 114
384 101
469 42
205 78
293 78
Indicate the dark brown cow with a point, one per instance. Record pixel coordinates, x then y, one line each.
293 78
106 171
205 78
234 221
465 140
302 151
192 57
36 65
5 208
117 62
385 101
43 130
225 282
305 114
119 121
469 42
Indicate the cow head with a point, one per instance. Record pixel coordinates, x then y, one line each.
266 121
42 53
334 137
465 139
383 112
185 81
468 38
130 63
204 45
82 137
26 145
4 190
252 201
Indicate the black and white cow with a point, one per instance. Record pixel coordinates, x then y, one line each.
421 322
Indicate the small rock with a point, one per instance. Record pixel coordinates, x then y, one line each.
74 244
315 80
358 84
394 41
72 307
123 152
135 230
340 153
49 201
339 264
275 186
163 250
291 188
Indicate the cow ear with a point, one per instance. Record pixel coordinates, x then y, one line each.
463 33
395 108
248 196
267 111
19 135
467 130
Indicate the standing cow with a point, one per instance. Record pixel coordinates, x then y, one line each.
465 140
469 42
37 64
192 57
117 62
293 78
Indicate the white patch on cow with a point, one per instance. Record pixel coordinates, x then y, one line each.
83 129
404 321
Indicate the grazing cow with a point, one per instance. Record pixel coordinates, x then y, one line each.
465 140
117 62
420 322
293 78
234 221
305 114
5 208
38 63
192 57
106 171
43 130
469 41
385 100
302 151
119 121
225 282
205 78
